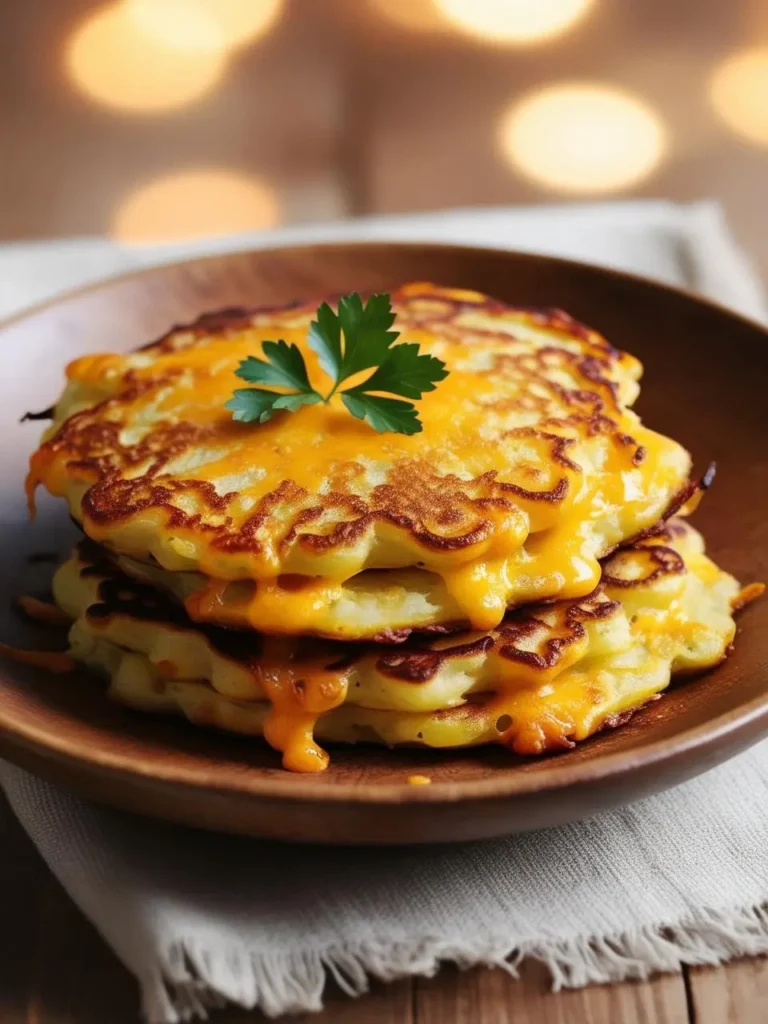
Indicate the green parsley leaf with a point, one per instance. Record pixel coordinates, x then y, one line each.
383 414
404 372
249 405
325 339
256 404
285 367
356 338
367 337
294 402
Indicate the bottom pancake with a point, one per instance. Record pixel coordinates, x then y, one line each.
466 725
549 676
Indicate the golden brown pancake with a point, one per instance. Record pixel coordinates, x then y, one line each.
530 468
548 676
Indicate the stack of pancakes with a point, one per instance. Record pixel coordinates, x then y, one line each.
512 574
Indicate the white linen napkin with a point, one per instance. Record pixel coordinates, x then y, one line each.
201 919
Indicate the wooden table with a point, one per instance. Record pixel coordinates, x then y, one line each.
55 969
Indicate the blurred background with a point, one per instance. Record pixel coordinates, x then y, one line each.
145 119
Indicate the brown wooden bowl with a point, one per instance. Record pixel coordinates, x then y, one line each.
704 385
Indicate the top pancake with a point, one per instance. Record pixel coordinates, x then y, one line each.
530 466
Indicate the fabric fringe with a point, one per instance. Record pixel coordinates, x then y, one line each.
193 978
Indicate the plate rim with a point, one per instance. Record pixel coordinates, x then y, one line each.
294 787
304 247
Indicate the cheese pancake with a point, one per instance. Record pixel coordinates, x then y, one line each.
531 466
548 676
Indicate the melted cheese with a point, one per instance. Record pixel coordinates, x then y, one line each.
298 694
51 661
549 677
747 595
514 418
562 562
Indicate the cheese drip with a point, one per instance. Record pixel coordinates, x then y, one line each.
299 693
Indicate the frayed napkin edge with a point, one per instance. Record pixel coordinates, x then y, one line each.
193 978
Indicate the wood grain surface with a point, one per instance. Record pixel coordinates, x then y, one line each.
55 969
704 384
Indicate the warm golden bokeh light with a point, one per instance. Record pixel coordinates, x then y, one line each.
205 24
194 203
117 65
177 24
513 22
413 15
582 138
739 94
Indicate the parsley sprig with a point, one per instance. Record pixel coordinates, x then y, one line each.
356 338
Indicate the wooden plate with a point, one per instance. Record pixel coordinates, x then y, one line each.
705 385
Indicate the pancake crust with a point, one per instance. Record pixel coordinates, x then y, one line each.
548 676
531 467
